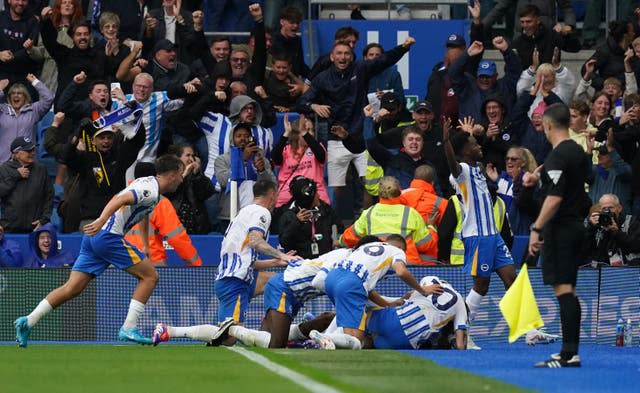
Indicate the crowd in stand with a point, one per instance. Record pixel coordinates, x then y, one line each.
69 67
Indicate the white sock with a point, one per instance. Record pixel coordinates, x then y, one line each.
344 341
333 326
199 333
136 309
43 308
295 333
251 337
473 301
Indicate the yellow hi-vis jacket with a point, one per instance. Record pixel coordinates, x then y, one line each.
388 217
457 247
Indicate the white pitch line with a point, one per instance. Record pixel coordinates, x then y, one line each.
295 377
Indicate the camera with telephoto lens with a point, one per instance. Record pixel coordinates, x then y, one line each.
605 218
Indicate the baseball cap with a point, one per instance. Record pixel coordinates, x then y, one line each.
101 130
455 40
423 105
390 101
22 143
487 68
164 44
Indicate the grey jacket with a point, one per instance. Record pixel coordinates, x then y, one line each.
24 200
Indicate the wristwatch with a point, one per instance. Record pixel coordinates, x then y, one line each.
534 229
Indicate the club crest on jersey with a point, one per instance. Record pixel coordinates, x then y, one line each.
451 92
484 267
506 137
263 219
146 193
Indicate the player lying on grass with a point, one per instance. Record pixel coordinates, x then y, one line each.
353 281
418 323
285 293
103 244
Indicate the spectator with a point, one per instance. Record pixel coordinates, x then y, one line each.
547 12
64 14
281 86
165 68
612 175
19 116
298 153
612 237
25 189
555 76
472 90
101 164
627 133
389 80
403 164
495 135
521 203
210 55
286 40
529 131
43 249
579 127
612 85
71 61
10 252
172 23
254 167
600 115
440 92
115 49
244 109
131 15
155 104
346 35
18 27
421 195
610 56
306 225
391 216
97 103
188 200
164 225
251 72
342 89
536 35
273 8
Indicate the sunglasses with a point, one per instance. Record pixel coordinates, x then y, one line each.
239 60
511 158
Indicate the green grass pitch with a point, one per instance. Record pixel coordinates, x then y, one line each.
195 368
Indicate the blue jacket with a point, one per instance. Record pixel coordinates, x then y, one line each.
10 253
56 258
615 180
470 95
345 91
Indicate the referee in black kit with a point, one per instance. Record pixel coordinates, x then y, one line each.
560 224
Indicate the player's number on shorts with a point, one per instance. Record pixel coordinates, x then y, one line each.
436 296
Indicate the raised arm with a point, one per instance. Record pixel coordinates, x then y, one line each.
454 165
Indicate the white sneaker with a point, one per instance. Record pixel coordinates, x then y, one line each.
472 345
536 336
323 341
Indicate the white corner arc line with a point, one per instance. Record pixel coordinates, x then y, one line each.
295 377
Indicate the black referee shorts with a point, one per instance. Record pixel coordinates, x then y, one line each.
562 252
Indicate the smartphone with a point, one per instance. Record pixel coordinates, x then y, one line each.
115 85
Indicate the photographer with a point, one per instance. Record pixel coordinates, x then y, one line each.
306 226
612 238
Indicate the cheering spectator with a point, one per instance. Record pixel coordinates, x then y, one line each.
579 127
172 23
19 116
346 35
555 76
18 27
43 249
244 109
286 40
131 16
389 80
25 189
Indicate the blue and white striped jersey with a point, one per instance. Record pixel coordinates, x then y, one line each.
217 131
477 207
153 111
299 274
146 196
421 316
236 257
372 262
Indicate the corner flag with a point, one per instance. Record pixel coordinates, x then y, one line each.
519 308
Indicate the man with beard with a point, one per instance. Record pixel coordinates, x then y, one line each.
71 61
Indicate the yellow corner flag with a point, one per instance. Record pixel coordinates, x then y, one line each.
519 308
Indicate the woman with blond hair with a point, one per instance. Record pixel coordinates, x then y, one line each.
19 116
521 202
